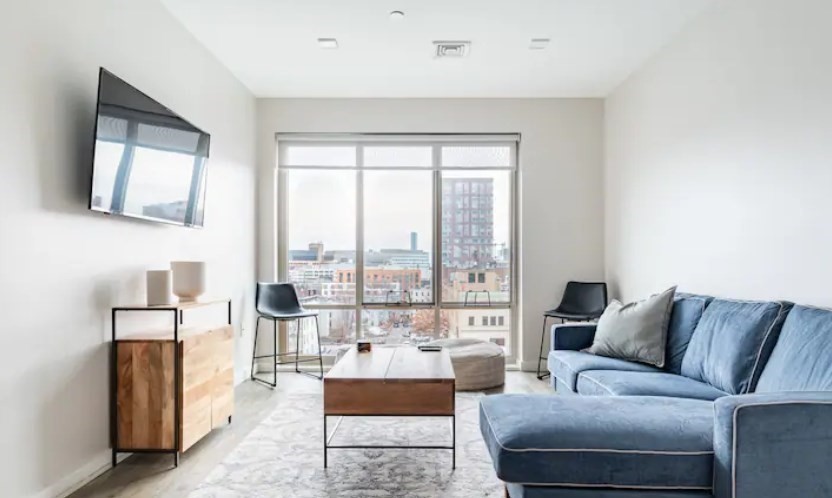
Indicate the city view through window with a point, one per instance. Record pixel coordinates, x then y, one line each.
394 248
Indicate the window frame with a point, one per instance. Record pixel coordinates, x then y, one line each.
436 142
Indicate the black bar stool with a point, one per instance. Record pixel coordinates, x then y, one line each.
582 302
279 302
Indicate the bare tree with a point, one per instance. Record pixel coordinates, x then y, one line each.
423 322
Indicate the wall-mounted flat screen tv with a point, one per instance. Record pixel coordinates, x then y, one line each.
148 162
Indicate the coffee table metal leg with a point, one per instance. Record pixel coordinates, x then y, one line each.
453 442
329 436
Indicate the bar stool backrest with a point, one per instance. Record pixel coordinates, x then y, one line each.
584 298
277 299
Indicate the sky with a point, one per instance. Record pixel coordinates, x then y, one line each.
321 206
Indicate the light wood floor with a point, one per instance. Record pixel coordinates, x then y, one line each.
154 475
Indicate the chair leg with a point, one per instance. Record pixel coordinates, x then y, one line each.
254 344
254 356
540 354
320 356
299 345
274 349
298 342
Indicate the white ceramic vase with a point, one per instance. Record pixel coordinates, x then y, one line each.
159 286
188 279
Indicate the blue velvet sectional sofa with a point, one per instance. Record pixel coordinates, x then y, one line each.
742 409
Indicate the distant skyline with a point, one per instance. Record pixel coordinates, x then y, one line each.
396 203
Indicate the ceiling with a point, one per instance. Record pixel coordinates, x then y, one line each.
271 45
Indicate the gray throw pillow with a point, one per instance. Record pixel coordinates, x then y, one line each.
635 331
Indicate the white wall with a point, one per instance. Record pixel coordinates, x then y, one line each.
62 267
561 211
719 158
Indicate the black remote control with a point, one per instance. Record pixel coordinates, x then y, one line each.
430 348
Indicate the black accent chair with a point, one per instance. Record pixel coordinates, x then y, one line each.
279 302
582 302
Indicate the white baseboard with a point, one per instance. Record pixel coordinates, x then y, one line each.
80 477
530 366
266 367
525 366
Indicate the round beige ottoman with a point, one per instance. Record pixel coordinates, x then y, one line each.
477 364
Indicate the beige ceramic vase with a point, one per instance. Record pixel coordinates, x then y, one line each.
159 285
188 279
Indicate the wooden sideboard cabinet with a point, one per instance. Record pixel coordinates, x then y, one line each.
171 389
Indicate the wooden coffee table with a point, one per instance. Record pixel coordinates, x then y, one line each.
390 382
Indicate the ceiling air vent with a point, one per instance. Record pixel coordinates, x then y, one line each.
452 48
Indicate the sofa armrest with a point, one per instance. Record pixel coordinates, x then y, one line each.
773 445
572 336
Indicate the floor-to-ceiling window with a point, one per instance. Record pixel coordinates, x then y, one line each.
400 238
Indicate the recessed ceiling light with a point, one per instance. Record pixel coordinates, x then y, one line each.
539 43
328 43
397 15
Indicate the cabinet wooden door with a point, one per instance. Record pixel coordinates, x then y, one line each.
207 383
197 360
145 395
222 395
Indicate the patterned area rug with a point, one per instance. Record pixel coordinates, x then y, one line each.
283 457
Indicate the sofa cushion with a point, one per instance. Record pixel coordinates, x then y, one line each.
608 382
732 342
566 365
635 331
637 442
685 315
802 358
